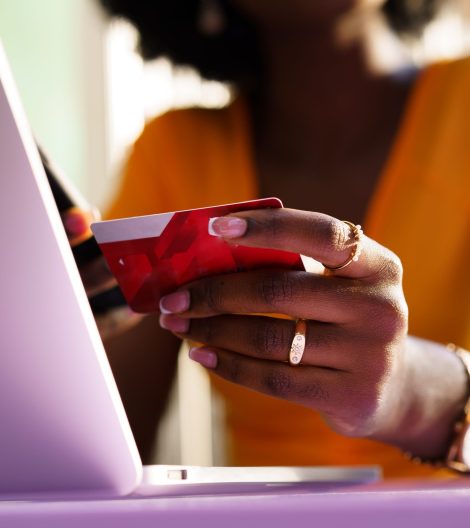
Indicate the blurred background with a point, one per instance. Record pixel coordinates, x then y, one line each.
87 95
86 91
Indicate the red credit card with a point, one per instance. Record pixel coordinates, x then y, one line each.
153 255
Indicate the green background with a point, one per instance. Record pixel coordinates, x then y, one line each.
55 50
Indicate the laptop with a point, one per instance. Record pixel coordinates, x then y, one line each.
63 429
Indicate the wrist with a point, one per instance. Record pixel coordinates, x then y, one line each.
428 399
457 455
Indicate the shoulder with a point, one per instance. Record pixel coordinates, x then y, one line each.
447 82
449 68
197 124
437 127
440 102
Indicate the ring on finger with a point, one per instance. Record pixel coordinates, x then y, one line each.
357 233
297 347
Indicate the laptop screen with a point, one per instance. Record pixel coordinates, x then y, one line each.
63 425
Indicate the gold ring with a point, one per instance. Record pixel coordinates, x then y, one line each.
356 231
297 348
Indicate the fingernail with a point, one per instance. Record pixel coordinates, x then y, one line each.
204 356
175 302
227 226
76 223
173 323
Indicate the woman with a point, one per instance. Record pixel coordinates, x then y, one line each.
315 126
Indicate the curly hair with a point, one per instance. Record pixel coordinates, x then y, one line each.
170 28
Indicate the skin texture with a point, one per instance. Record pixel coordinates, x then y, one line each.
353 371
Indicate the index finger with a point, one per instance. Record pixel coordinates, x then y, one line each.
322 237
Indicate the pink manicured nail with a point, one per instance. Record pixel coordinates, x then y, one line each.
204 356
173 323
175 302
227 226
75 224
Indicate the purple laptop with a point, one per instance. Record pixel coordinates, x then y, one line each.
63 429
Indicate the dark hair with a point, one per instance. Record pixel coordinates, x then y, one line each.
410 16
170 28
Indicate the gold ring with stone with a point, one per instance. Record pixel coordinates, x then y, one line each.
297 347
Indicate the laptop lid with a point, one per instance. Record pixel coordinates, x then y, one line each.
63 429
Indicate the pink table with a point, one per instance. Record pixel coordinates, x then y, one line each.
406 504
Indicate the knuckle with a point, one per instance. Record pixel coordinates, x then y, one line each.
269 337
205 330
271 226
391 268
276 226
313 392
213 297
276 289
233 368
281 383
396 263
393 316
337 235
278 383
394 267
323 336
354 298
383 311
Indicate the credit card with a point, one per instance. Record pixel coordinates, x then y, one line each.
153 255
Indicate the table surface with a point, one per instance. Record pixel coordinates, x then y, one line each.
393 504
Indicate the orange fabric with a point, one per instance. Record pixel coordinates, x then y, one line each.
196 157
421 208
187 159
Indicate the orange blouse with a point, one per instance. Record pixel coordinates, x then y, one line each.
421 210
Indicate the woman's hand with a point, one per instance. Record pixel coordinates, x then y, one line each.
359 369
96 276
356 317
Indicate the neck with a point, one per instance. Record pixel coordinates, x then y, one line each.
316 92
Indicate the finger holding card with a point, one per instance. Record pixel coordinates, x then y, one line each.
209 270
350 322
153 255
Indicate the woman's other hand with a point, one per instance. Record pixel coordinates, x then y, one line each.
96 276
